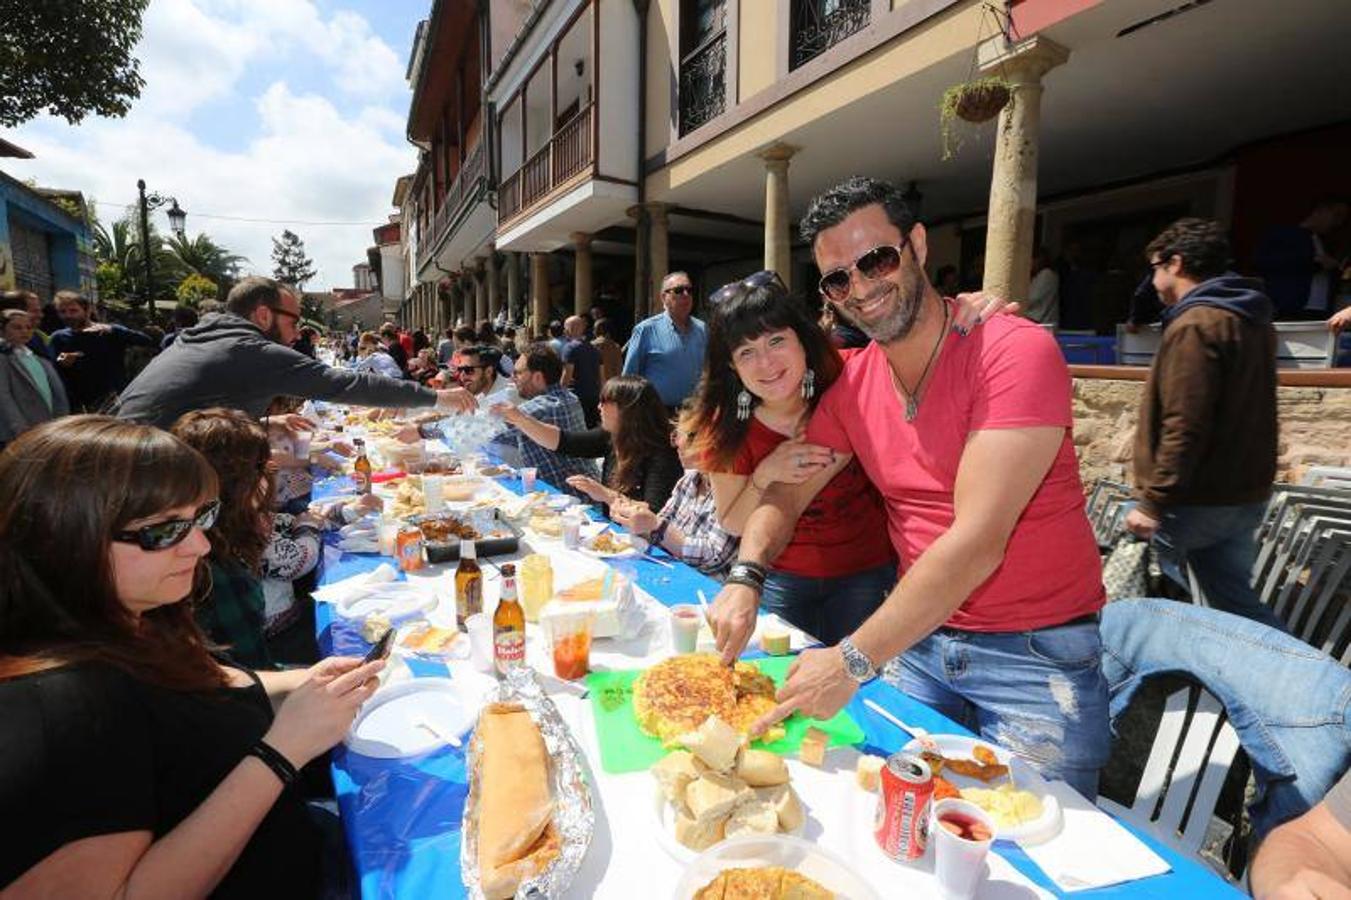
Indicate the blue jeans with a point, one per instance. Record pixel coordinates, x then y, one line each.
1039 693
827 608
1219 545
1289 703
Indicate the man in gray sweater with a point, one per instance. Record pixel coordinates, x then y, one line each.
241 359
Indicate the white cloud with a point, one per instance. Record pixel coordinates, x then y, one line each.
309 157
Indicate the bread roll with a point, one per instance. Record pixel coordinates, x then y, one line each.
713 795
786 805
515 802
868 772
760 768
675 772
715 743
699 834
754 817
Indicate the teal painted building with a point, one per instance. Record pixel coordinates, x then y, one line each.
43 248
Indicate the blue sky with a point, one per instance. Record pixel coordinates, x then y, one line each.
254 109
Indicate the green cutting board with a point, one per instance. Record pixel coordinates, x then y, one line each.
624 747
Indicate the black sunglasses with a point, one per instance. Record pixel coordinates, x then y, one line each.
763 278
679 289
465 370
879 262
163 535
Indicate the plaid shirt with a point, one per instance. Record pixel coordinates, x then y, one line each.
691 509
556 406
232 616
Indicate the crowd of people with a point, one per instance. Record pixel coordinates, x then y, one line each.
893 473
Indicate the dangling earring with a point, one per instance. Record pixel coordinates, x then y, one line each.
808 384
743 405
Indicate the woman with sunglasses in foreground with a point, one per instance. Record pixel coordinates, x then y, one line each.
767 365
634 437
137 762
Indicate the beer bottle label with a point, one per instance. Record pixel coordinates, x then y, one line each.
509 649
470 600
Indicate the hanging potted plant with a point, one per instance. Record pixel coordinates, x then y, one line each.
971 101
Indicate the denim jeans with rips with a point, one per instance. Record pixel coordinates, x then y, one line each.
1219 545
827 608
1039 693
1289 703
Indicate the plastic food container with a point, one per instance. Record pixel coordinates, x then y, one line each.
785 851
456 488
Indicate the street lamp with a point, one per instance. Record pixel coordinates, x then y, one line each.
177 222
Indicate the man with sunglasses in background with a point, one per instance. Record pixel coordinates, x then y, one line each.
668 348
242 359
995 620
476 370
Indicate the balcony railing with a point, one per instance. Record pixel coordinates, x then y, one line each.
703 83
463 188
568 153
818 25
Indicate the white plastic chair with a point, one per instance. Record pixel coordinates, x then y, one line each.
1193 751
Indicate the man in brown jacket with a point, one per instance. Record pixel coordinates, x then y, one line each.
1205 445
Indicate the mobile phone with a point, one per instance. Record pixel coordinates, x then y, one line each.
381 648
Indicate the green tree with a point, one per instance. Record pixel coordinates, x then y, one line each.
202 256
119 248
290 264
68 58
194 289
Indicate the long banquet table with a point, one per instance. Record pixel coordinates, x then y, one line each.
402 817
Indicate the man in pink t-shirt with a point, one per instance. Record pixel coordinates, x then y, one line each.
994 621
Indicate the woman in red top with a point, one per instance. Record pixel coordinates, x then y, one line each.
767 364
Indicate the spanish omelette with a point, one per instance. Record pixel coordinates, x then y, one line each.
676 695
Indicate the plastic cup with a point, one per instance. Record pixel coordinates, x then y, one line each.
433 492
480 628
959 863
572 528
569 636
537 584
528 479
301 444
686 619
388 535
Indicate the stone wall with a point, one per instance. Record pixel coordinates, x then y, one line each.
1315 425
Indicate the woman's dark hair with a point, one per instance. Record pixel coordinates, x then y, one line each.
236 447
66 487
420 341
743 316
1202 244
644 427
602 328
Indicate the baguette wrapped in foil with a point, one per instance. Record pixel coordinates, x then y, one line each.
574 815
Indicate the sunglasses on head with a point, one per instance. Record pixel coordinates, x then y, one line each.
879 262
163 535
763 278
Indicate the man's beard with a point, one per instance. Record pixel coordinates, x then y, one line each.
273 334
902 319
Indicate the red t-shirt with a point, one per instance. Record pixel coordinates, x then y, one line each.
841 532
1008 373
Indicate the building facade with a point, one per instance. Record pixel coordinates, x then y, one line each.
45 241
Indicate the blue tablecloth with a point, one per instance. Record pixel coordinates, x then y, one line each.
402 818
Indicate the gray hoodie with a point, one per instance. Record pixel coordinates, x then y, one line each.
228 361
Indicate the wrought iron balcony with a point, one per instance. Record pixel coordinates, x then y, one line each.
818 25
464 188
703 83
568 153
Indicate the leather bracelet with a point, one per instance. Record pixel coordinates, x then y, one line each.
751 569
272 758
757 586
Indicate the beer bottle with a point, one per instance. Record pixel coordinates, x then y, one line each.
361 469
508 625
468 583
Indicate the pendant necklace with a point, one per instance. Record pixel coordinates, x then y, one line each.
911 401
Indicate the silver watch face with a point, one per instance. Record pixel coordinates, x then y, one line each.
857 664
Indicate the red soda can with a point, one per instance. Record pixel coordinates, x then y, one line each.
901 825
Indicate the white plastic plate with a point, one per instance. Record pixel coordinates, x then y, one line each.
409 719
395 601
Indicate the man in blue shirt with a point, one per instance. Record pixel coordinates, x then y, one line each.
668 348
89 354
581 368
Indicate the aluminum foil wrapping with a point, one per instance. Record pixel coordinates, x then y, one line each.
574 815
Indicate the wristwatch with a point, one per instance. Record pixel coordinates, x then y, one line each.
856 662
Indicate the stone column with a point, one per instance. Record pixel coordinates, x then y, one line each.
581 273
539 293
494 285
658 253
1013 181
778 228
513 285
480 292
642 277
